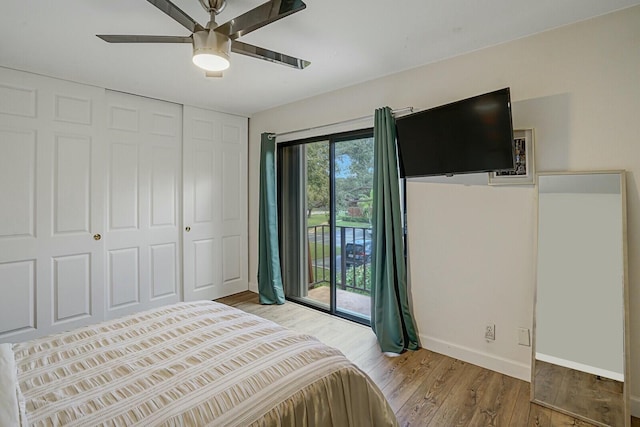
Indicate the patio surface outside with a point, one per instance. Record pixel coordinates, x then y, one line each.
345 300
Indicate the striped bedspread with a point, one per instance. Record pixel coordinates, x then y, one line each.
193 364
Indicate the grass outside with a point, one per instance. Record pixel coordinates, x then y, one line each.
316 251
317 219
318 277
323 219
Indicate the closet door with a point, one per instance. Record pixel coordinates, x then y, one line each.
51 205
215 204
142 237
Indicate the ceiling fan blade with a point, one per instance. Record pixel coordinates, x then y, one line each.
259 17
177 14
268 55
144 39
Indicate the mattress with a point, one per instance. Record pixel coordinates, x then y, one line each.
191 364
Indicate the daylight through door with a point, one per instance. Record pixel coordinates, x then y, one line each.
325 222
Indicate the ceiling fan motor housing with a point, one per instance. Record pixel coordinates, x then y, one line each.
208 43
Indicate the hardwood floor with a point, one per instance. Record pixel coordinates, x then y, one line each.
422 387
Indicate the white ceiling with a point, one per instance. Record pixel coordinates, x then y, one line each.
347 42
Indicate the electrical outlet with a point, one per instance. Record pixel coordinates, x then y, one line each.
490 332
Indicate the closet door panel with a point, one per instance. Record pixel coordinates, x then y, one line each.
144 183
72 287
72 184
18 304
124 173
70 171
206 266
123 278
232 259
17 96
164 270
51 205
18 215
232 167
164 178
234 212
215 210
202 208
17 183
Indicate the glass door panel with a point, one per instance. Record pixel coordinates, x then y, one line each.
325 190
353 176
305 228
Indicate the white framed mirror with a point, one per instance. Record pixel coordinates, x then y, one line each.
580 360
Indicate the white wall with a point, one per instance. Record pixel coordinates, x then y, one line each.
472 259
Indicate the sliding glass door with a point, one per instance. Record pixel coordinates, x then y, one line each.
325 222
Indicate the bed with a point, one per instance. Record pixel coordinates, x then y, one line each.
188 364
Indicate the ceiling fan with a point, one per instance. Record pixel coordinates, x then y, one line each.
213 43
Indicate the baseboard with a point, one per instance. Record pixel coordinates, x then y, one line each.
635 406
504 366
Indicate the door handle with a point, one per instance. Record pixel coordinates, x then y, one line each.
187 229
97 237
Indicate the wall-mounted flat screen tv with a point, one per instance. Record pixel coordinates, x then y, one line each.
468 136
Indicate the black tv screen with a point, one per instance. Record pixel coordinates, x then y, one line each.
472 135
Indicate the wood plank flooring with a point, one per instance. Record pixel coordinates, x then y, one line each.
423 388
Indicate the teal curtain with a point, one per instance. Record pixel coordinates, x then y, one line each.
391 317
269 275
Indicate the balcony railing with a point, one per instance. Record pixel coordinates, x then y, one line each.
353 269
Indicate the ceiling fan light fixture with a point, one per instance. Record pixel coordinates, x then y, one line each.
211 50
210 61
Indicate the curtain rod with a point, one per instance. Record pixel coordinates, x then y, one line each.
394 112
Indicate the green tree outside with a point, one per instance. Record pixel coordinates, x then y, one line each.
317 155
354 177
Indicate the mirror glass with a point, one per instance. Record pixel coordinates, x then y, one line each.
579 363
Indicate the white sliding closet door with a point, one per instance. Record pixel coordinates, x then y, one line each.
142 237
51 205
215 204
